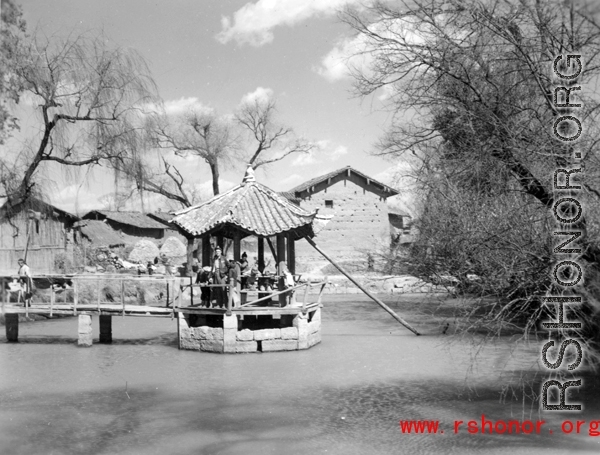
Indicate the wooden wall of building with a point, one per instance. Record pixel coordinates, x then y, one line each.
47 239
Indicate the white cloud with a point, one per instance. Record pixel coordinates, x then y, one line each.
304 159
291 180
347 54
358 53
253 23
76 200
185 105
205 190
401 177
259 95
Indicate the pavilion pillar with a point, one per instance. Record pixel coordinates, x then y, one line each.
237 246
280 248
189 256
291 253
205 251
281 258
261 254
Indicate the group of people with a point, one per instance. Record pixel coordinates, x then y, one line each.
221 273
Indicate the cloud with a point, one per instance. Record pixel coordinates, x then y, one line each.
304 159
261 94
253 23
291 180
325 151
205 190
348 53
401 177
359 52
184 105
75 199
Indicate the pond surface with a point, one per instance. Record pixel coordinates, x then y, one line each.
141 395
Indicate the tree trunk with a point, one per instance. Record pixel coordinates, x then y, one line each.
214 169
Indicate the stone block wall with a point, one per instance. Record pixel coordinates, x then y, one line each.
229 339
360 223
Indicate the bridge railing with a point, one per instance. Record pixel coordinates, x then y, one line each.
83 291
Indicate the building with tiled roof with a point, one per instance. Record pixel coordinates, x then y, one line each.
100 234
134 224
360 225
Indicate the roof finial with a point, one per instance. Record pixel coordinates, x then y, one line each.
249 177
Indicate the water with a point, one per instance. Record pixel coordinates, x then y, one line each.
141 395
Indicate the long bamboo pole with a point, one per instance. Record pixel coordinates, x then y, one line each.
375 299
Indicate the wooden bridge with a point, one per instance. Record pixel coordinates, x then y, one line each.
86 296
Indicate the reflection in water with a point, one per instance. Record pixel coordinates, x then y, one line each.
143 396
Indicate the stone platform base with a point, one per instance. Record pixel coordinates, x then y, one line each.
304 333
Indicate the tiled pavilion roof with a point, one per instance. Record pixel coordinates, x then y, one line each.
250 208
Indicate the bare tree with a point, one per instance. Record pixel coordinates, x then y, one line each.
87 96
270 141
144 168
202 134
478 75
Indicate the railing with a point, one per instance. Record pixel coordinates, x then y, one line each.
73 290
176 302
289 292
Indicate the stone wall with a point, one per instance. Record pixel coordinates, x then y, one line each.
304 333
359 225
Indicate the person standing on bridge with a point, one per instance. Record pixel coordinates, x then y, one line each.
24 273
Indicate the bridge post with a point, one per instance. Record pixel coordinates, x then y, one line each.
230 326
105 321
11 321
85 330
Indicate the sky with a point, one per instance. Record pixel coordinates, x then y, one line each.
215 52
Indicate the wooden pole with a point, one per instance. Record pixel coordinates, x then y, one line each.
261 254
52 298
123 296
189 256
206 251
281 280
2 293
229 300
305 297
291 254
273 251
237 247
180 304
28 230
75 297
375 299
191 291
